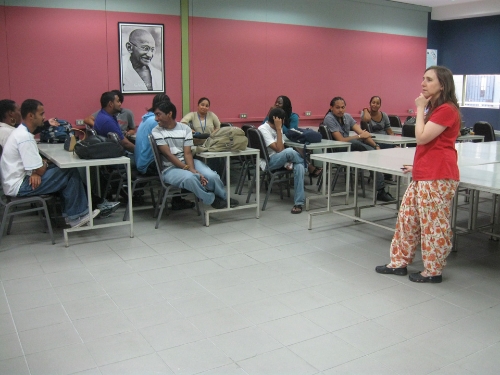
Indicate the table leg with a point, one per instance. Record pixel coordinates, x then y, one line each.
131 208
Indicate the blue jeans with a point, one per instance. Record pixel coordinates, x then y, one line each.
189 181
279 159
65 181
361 146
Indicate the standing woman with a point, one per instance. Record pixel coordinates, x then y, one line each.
378 120
424 215
202 121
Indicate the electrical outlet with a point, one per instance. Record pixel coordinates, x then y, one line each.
243 115
410 110
308 113
79 122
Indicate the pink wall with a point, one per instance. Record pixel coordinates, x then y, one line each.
243 66
68 58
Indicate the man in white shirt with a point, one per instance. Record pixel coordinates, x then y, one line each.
174 141
280 157
25 173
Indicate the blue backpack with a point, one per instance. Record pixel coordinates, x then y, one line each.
55 134
304 136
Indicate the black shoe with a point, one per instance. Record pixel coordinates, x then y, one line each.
383 196
233 203
418 278
391 271
219 203
179 203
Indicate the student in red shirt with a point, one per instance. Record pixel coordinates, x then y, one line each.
425 211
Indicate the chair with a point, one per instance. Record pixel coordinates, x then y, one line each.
140 183
395 121
224 124
325 134
409 131
165 191
366 126
13 206
485 128
247 163
279 176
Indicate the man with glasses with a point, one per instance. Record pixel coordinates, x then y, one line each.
138 73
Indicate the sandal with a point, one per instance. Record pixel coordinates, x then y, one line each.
316 172
297 209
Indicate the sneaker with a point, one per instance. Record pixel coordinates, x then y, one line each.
384 196
179 203
81 221
107 208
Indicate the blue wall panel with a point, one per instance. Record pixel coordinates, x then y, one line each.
469 46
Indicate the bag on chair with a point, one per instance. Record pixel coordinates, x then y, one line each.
228 138
304 136
97 147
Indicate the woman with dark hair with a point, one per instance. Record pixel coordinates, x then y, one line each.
340 124
291 121
202 121
10 118
425 211
291 118
378 120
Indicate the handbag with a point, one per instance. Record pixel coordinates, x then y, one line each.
71 139
97 147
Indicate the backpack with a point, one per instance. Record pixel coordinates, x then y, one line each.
55 134
304 136
228 138
98 147
410 120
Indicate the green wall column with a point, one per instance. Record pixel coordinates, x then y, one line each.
185 55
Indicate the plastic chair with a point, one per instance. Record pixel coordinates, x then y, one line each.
224 124
278 176
13 206
409 131
395 121
165 191
247 163
485 128
365 126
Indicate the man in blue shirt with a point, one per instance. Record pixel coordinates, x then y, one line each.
106 122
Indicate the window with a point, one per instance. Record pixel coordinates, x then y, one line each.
478 91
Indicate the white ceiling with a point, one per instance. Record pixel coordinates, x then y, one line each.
456 9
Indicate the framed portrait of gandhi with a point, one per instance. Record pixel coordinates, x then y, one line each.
142 67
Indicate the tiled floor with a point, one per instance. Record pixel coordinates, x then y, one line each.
243 296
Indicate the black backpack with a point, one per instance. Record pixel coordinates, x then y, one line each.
55 134
97 147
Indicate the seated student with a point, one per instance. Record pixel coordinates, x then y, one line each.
144 158
292 122
25 173
106 122
339 124
125 117
174 141
10 118
378 120
280 157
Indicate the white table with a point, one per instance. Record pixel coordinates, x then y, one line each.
462 138
389 139
64 159
382 161
324 145
228 155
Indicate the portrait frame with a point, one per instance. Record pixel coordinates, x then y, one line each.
132 55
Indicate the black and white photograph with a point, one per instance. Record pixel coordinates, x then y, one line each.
142 68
